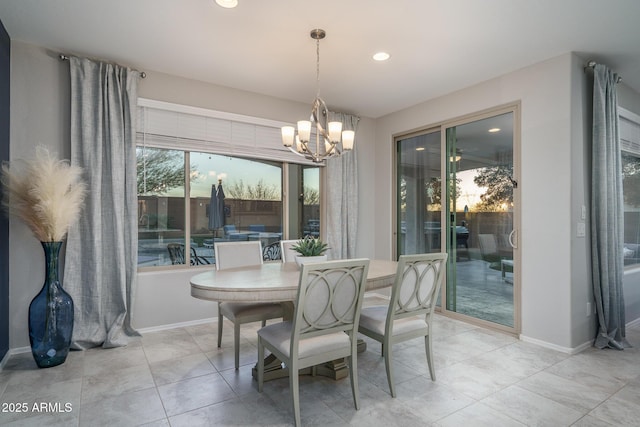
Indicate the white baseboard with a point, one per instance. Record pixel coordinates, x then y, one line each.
177 325
215 319
567 350
633 323
524 338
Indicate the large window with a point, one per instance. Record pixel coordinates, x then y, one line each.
630 142
184 159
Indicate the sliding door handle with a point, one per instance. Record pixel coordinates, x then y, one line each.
511 241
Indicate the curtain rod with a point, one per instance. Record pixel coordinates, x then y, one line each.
64 57
592 64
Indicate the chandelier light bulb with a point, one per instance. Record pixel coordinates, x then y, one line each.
304 130
348 137
335 130
288 133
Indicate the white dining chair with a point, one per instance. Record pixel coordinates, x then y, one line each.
287 254
234 255
415 292
328 304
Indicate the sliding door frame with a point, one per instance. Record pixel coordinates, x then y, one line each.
515 108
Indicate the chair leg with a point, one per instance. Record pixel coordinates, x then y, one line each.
353 375
387 365
295 392
220 320
429 352
260 366
236 343
264 322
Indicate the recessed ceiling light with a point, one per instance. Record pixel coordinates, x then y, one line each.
494 130
420 149
381 56
229 4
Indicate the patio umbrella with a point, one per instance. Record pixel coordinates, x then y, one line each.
216 207
211 209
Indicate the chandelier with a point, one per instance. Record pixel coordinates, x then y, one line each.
330 139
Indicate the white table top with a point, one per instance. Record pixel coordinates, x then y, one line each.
271 282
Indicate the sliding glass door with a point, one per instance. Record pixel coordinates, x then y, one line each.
480 218
457 192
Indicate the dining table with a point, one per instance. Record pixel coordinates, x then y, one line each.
278 282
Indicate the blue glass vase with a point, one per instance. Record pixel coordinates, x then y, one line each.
51 315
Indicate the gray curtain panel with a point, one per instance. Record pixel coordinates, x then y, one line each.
607 213
342 197
101 255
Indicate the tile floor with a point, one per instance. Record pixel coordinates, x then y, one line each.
178 377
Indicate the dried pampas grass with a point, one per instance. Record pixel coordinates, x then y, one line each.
45 193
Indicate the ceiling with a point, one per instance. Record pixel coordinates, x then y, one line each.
263 46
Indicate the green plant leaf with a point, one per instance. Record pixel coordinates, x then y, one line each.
310 246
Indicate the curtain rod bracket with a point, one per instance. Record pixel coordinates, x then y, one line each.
64 57
592 64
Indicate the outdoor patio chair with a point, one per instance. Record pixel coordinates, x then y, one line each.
176 255
272 252
491 253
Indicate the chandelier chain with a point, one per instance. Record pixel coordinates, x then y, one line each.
318 68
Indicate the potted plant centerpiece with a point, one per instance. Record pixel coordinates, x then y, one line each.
311 249
47 195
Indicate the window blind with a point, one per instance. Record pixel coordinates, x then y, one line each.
172 126
629 136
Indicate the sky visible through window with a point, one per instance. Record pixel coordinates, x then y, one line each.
208 168
469 191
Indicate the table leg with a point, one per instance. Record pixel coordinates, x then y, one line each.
273 369
336 369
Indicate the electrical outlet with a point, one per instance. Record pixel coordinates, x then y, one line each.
583 213
581 229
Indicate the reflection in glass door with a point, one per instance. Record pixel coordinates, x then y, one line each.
480 219
419 194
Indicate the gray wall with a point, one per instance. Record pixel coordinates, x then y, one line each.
39 116
164 297
555 285
555 271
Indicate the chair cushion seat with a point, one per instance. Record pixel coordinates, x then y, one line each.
279 336
374 318
247 311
